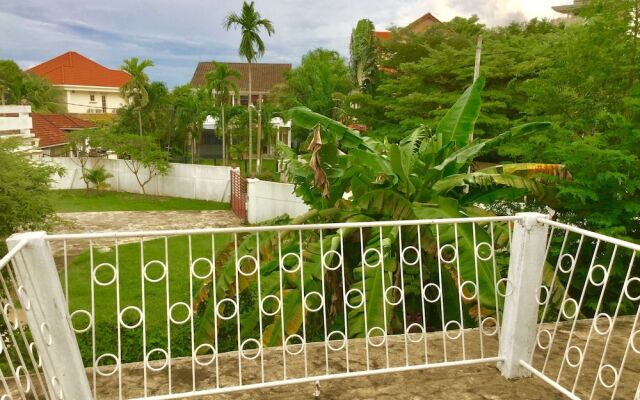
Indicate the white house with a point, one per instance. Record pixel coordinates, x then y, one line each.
89 87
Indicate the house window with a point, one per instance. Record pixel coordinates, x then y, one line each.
244 100
104 104
92 97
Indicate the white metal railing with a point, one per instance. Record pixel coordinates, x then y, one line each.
182 313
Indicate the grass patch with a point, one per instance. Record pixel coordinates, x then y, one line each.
84 201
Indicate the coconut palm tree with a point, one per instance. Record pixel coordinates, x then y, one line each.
136 88
219 87
251 45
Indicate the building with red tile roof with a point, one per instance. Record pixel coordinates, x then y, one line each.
51 129
90 88
418 26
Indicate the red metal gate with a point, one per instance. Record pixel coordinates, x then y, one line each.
239 195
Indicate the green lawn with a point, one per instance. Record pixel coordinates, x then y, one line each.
83 201
267 164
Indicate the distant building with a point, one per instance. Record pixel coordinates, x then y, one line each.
418 26
89 87
51 130
264 76
570 9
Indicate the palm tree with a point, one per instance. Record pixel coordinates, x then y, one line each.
41 94
136 88
219 87
251 45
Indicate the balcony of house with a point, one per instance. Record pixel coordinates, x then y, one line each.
469 308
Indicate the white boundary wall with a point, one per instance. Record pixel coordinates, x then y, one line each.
191 181
268 200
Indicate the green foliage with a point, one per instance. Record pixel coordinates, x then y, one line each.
363 51
18 87
136 88
251 23
98 177
24 191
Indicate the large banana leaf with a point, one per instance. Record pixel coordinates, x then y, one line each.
480 178
457 124
308 119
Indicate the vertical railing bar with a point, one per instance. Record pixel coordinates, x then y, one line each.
422 300
613 320
118 306
215 309
364 297
168 309
282 316
404 308
495 277
575 317
324 304
460 299
144 316
384 297
93 318
237 308
597 312
564 297
344 301
66 275
477 291
4 381
259 305
555 275
191 322
304 303
441 292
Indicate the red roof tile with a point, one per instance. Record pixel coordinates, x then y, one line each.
264 76
72 68
382 35
50 128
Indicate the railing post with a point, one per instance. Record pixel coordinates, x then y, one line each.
45 307
520 318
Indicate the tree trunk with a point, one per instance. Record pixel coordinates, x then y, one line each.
250 123
224 139
140 120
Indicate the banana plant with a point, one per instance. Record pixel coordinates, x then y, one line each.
425 176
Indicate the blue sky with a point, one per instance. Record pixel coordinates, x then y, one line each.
177 34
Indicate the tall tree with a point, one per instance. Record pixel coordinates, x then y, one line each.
191 109
251 47
363 51
41 94
136 88
219 87
10 82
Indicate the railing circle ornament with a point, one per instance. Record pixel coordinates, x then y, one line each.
139 313
116 364
342 339
252 271
10 308
20 373
219 312
626 288
632 340
473 291
571 264
601 317
547 333
197 350
416 254
33 350
539 298
508 289
24 298
102 266
479 248
288 345
415 337
46 333
458 327
367 253
372 339
85 313
353 292
483 326
605 275
334 254
454 256
195 263
263 305
570 360
163 365
146 271
389 295
614 372
565 312
57 388
424 292
296 268
6 397
174 319
307 302
244 351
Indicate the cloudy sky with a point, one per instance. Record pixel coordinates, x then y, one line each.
176 34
